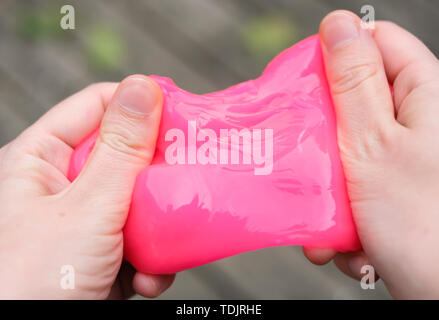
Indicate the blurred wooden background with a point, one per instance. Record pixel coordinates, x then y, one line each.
204 45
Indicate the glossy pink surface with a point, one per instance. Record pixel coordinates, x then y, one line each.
186 215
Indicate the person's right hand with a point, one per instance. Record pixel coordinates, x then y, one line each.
389 150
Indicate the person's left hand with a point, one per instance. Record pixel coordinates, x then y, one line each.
46 222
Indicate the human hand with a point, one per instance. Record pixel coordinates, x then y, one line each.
46 222
389 150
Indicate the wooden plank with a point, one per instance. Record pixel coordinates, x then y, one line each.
305 18
17 99
146 55
284 273
10 125
210 28
272 273
187 285
39 69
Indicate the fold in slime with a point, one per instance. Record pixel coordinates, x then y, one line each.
252 166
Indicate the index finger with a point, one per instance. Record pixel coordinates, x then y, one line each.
76 117
407 61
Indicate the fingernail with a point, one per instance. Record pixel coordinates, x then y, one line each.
138 95
338 29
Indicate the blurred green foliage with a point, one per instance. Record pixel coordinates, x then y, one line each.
105 47
266 36
39 24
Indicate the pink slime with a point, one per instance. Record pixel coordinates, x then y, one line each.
186 215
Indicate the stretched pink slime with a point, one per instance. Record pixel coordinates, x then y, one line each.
186 215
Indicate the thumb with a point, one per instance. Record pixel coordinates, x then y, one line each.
356 76
126 142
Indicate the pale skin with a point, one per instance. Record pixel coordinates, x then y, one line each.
47 222
388 146
389 150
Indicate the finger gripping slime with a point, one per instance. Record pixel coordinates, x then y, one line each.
252 166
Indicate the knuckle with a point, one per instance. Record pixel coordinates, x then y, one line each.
351 77
372 147
124 142
371 144
133 118
378 143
